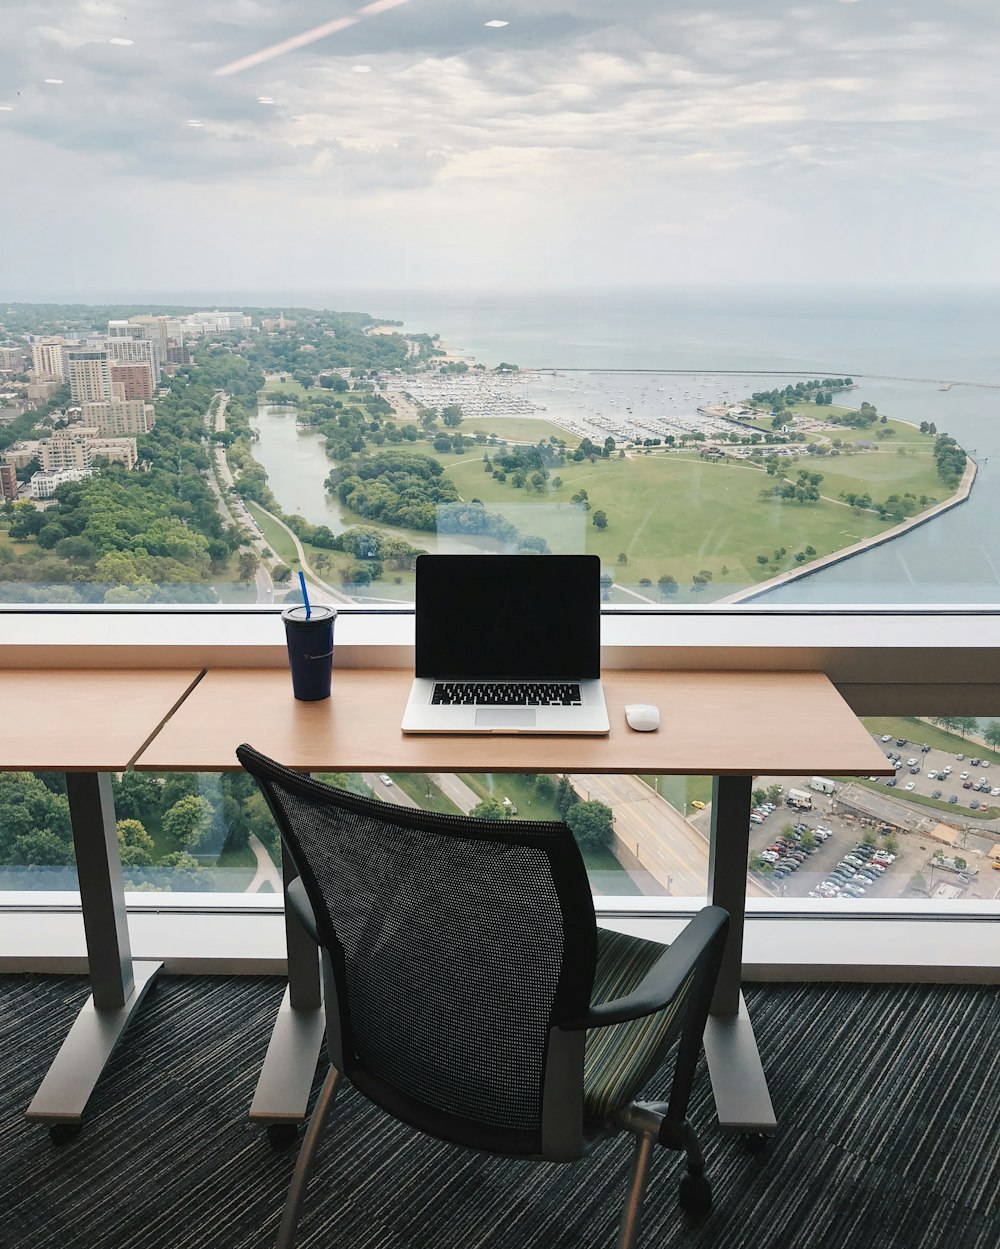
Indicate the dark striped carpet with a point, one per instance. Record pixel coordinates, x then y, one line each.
888 1100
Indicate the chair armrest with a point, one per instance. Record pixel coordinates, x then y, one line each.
299 901
665 978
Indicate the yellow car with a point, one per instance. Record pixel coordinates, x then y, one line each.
698 806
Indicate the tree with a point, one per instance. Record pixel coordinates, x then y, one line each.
489 809
545 786
136 796
566 795
868 838
591 822
773 793
622 558
600 519
756 864
891 844
667 585
135 845
757 797
808 840
991 734
249 564
42 848
960 863
188 820
452 416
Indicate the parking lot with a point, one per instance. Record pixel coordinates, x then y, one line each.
845 832
963 781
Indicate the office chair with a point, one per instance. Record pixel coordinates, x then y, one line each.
470 994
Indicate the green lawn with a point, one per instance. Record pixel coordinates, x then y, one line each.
679 790
670 514
518 429
513 785
425 793
919 731
924 800
290 387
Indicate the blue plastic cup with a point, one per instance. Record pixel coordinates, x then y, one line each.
310 650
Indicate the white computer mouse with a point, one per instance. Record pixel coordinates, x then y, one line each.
643 717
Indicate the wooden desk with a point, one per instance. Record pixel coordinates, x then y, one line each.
728 725
89 724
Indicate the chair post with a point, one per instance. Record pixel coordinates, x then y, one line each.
631 1220
304 1162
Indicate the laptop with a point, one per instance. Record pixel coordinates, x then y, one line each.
507 644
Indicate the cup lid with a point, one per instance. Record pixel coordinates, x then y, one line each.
318 612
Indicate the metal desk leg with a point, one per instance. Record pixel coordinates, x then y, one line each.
118 984
742 1101
290 1063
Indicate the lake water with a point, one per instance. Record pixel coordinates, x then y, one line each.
878 338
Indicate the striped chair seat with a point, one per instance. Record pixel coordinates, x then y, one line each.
622 1057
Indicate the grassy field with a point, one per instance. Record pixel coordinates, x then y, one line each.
290 387
918 731
425 793
512 785
924 800
518 429
681 790
673 514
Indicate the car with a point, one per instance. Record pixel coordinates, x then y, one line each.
909 785
853 860
854 890
756 819
964 776
883 856
799 855
953 798
914 771
891 782
780 873
769 856
974 804
966 784
870 874
946 770
911 763
887 737
925 748
877 868
995 792
975 762
697 804
897 764
386 780
984 763
960 758
932 775
901 741
936 793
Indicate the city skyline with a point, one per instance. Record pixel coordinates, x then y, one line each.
413 145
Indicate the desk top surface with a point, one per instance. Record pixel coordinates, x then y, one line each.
712 723
93 720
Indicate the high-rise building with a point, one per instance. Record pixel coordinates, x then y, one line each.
66 448
116 417
48 360
136 350
115 450
8 482
89 374
134 377
12 359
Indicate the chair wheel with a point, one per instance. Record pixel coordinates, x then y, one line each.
63 1133
695 1193
281 1135
756 1142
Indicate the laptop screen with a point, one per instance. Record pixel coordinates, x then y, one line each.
508 617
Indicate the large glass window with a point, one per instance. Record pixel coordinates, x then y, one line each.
708 290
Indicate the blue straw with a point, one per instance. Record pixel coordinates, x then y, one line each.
305 596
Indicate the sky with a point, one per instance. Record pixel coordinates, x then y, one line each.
406 144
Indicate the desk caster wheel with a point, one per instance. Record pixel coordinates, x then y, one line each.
63 1133
756 1142
281 1135
695 1193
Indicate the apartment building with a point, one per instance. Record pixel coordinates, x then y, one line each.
115 450
117 417
89 372
43 483
136 349
8 482
66 448
48 360
13 359
132 380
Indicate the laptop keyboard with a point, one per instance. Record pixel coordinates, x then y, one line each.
506 694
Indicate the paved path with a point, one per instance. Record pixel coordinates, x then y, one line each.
456 789
312 578
387 793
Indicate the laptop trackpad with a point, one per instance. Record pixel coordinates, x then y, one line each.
505 718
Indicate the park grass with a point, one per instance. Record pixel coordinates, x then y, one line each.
919 731
518 429
425 793
290 387
513 785
678 790
671 514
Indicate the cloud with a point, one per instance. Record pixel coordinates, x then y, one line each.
601 112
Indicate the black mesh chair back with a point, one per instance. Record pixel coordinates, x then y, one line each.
456 947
